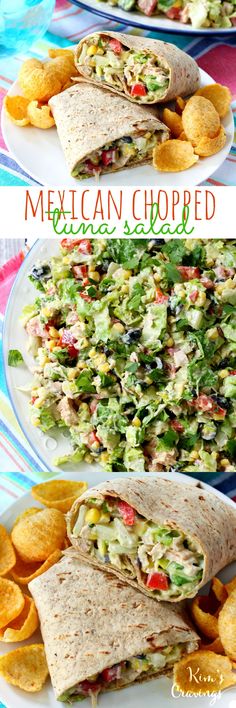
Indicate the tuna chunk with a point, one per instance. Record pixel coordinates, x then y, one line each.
67 411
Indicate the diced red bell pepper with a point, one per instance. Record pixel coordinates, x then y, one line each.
138 90
157 581
188 272
108 157
85 246
68 340
92 167
174 13
232 373
70 243
112 673
85 297
115 46
207 282
80 272
127 512
177 426
93 438
194 295
160 297
90 686
147 6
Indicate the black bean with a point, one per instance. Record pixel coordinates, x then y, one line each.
39 272
127 139
103 267
133 335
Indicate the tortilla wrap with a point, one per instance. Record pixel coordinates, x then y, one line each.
184 72
90 620
202 516
87 118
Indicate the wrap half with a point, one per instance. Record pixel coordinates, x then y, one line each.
101 634
101 132
144 70
165 538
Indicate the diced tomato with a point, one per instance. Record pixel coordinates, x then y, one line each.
69 243
85 297
174 13
157 581
80 272
108 157
112 673
85 246
138 90
68 340
232 373
207 282
188 272
127 512
177 426
93 438
115 45
204 403
33 399
194 295
147 6
87 686
160 297
92 167
218 411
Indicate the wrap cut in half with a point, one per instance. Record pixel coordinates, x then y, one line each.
165 538
101 132
144 70
100 634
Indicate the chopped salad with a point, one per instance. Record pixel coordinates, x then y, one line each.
199 13
128 150
146 78
163 559
134 344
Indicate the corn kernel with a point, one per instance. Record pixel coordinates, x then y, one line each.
201 299
36 422
91 50
212 333
100 51
46 312
104 368
148 380
81 365
104 457
92 353
223 373
224 462
99 359
136 422
157 277
127 274
84 343
72 373
95 276
92 516
53 332
193 455
170 342
125 288
51 344
118 327
104 518
66 260
88 458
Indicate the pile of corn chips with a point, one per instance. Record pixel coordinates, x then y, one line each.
36 541
39 81
195 127
215 618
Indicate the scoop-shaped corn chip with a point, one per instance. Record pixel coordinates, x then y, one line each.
231 585
207 623
227 625
200 119
36 537
7 553
209 146
40 116
59 493
180 104
16 110
219 590
173 122
174 156
23 572
219 95
23 626
11 601
215 646
25 667
182 136
27 512
203 673
37 81
53 53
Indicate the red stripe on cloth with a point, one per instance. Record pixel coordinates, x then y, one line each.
7 276
218 62
62 5
18 467
7 491
69 14
214 181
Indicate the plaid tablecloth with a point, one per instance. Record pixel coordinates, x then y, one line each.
20 467
216 55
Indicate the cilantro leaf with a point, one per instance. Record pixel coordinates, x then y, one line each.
84 383
175 250
137 294
172 273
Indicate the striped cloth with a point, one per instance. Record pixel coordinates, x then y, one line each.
20 468
216 55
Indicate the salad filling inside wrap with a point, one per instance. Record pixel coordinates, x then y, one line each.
128 150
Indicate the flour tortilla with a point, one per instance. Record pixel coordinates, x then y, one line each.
87 118
202 516
184 71
90 620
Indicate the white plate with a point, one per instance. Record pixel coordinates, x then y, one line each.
39 153
137 19
136 696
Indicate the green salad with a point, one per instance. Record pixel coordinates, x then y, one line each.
134 343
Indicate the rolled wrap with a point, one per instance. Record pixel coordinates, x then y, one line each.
87 118
202 516
184 71
90 620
